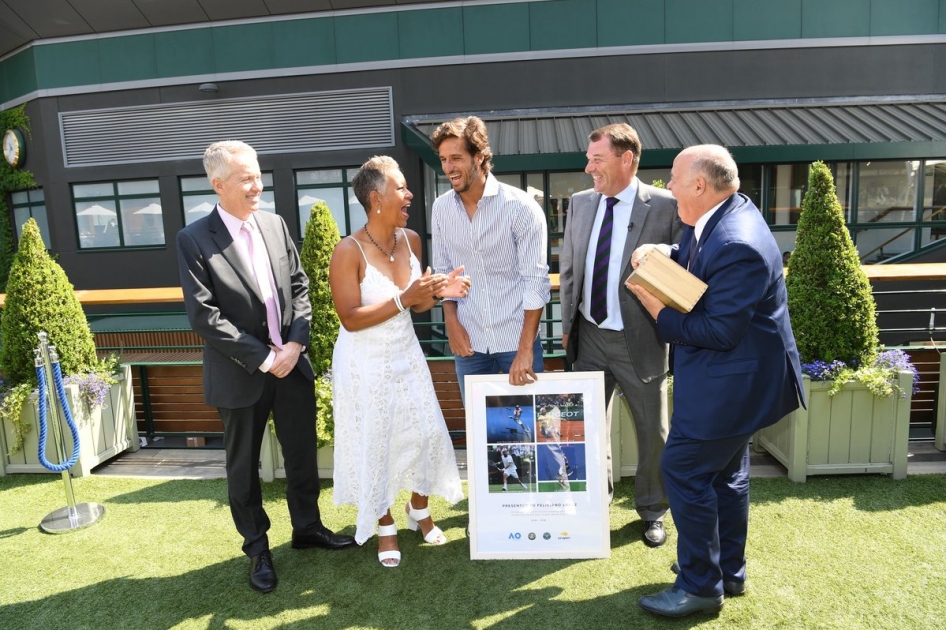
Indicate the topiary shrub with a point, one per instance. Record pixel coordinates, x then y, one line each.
831 302
829 297
39 299
321 236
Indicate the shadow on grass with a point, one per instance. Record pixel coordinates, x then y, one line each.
10 533
435 586
338 590
870 493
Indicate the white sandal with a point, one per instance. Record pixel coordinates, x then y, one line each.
435 536
391 554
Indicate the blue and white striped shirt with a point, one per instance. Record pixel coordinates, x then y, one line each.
504 251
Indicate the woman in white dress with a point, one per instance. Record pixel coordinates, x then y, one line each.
389 430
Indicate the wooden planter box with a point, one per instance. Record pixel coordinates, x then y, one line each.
103 433
272 465
624 453
850 432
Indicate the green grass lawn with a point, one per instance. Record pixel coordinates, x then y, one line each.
836 552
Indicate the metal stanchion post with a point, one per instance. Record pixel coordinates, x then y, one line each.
73 516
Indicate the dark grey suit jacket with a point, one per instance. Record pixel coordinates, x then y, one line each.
654 219
224 306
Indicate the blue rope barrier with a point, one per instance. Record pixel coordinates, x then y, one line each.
43 409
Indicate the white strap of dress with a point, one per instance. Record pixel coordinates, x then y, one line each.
359 247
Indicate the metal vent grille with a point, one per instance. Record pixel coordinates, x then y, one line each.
320 121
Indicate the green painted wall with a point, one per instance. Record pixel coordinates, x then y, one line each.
496 28
454 31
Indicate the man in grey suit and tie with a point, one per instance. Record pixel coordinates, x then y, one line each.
247 296
604 325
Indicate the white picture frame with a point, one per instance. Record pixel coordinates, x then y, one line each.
555 501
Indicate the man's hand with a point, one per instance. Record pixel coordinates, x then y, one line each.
640 253
286 359
565 341
520 372
459 339
457 285
651 303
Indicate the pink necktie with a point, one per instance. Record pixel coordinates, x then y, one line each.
264 279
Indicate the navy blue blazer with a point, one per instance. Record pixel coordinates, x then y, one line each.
735 367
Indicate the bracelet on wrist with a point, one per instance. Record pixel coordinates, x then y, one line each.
397 303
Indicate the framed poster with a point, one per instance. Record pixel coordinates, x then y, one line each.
536 467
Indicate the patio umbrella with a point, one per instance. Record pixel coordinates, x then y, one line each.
309 201
96 211
202 207
151 208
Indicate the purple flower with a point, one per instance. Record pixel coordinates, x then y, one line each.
823 371
93 389
898 361
895 361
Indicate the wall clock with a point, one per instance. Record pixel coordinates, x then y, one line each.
14 149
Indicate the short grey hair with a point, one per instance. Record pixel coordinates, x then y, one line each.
219 155
717 165
372 176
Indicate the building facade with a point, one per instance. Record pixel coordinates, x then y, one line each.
122 106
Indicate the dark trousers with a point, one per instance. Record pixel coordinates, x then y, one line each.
606 350
707 483
291 400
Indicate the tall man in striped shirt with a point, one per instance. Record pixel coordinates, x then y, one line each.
498 233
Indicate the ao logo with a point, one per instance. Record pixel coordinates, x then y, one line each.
515 536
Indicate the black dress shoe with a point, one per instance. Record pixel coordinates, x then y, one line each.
262 573
675 602
654 533
733 587
323 538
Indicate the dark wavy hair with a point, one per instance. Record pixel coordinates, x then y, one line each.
470 129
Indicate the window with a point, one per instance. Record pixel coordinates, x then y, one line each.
333 186
787 186
118 214
198 197
30 204
886 192
934 201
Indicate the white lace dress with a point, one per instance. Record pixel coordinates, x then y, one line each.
389 430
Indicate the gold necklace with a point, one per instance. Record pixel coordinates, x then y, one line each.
375 243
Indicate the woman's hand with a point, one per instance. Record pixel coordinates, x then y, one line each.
457 285
423 289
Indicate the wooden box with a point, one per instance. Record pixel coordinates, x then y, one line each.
672 284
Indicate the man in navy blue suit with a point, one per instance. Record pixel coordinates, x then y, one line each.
736 370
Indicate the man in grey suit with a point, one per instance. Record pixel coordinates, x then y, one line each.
604 326
247 296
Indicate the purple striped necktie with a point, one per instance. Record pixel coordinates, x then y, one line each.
599 276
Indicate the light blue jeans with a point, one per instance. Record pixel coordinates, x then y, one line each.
493 363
